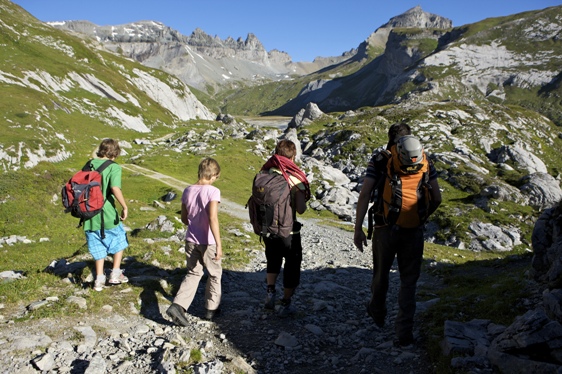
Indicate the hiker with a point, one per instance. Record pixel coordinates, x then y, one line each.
290 248
111 238
203 248
401 236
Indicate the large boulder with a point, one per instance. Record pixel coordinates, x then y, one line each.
541 189
305 116
522 159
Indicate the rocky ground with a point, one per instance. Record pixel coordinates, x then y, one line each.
331 332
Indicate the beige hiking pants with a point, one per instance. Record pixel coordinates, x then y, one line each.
199 257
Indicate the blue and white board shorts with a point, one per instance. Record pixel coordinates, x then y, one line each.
115 241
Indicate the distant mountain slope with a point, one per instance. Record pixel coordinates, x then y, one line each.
207 63
59 90
363 78
513 59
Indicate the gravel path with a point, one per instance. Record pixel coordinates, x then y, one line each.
330 333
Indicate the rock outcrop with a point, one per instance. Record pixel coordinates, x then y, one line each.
533 342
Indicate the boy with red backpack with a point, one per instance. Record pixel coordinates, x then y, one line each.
104 232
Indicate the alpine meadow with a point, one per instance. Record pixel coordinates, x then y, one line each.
484 99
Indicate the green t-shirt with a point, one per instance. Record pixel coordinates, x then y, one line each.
111 177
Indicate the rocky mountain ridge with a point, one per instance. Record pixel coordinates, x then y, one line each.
159 46
199 59
435 59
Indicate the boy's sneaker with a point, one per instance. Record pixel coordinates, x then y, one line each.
270 301
287 309
117 277
99 283
177 314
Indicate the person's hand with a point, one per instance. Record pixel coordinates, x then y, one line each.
124 214
218 253
359 239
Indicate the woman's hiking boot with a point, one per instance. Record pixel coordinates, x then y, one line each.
287 309
270 300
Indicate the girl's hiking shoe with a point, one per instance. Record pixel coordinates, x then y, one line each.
210 314
177 314
99 283
117 277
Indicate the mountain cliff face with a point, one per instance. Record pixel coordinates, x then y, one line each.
205 62
493 59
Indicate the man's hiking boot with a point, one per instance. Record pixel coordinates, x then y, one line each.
177 314
211 314
404 341
287 309
117 277
379 320
99 283
270 300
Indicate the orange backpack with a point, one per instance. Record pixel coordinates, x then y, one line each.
401 195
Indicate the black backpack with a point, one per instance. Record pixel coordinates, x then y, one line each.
269 206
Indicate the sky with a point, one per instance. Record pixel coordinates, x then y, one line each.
304 29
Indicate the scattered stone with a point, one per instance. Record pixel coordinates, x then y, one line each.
44 362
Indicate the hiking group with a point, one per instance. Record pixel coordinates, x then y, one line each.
400 185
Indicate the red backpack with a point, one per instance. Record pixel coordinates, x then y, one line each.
82 195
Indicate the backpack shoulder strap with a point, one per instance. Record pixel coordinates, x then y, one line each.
381 165
103 166
88 166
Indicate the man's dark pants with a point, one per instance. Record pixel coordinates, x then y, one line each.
407 246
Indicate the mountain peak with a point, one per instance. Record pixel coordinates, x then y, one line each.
416 17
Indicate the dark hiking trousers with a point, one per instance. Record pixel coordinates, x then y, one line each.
407 246
277 249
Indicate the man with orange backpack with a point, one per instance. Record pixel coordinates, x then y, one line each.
401 181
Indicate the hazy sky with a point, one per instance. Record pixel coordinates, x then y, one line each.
304 29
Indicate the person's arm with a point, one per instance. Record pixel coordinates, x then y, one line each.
184 213
300 201
359 238
435 196
116 191
214 225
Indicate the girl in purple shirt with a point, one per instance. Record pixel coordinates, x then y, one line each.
199 211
